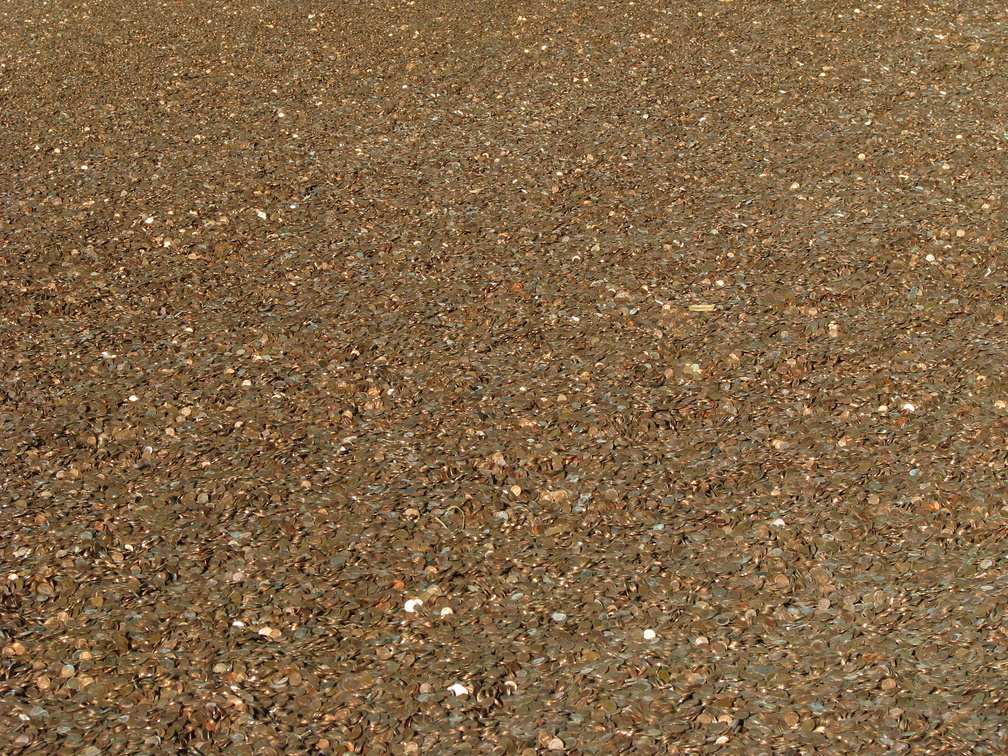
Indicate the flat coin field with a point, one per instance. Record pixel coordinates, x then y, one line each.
518 378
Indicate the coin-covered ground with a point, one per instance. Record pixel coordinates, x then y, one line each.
443 377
